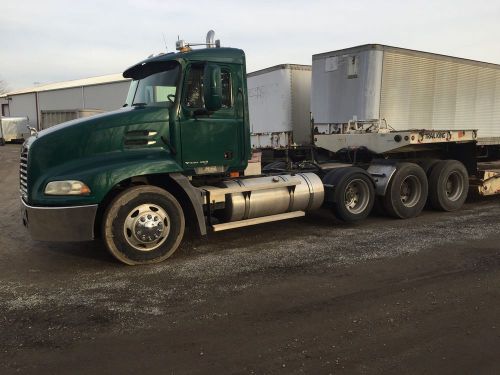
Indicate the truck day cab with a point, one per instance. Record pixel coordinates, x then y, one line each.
177 152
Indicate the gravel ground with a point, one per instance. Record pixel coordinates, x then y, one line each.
310 295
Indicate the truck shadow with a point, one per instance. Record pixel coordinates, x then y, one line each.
91 250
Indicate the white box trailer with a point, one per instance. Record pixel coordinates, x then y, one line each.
279 106
14 129
405 89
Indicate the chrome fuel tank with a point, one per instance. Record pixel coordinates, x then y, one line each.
306 195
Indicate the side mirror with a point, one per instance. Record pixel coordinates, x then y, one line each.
212 87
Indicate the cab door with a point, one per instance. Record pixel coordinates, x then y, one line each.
211 141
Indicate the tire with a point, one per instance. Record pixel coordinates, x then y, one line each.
407 192
427 165
354 193
144 224
448 185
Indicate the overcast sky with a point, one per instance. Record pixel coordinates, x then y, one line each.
49 41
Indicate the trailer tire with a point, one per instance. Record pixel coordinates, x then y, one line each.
354 193
427 165
143 224
448 185
407 192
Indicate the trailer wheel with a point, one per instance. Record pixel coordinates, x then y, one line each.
144 224
407 191
354 193
448 185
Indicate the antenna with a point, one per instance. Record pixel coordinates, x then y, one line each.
165 41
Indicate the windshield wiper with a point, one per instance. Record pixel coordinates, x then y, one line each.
139 104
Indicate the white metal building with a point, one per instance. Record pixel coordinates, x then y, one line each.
103 93
4 106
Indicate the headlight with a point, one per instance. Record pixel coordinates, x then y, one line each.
69 187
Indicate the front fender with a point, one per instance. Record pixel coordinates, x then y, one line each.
101 173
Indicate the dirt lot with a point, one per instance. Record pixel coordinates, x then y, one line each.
306 296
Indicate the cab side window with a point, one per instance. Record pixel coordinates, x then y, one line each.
227 94
194 88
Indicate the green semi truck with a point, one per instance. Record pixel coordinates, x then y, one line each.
177 152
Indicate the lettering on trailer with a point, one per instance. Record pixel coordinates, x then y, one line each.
436 135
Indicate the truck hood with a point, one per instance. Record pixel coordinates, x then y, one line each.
121 117
98 137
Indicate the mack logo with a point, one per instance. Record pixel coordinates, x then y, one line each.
201 162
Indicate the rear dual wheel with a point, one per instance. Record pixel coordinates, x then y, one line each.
353 195
448 185
407 191
445 183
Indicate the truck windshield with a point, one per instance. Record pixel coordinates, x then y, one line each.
156 88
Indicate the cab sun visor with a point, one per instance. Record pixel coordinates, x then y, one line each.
145 69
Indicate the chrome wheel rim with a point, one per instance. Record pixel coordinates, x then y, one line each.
356 196
146 227
410 191
454 186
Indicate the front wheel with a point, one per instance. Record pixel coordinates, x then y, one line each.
143 224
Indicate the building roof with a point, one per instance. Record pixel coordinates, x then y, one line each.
110 78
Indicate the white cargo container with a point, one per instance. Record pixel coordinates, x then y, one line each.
405 89
14 129
279 106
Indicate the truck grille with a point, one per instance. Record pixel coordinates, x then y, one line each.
23 173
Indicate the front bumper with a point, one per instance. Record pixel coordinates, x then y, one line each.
59 223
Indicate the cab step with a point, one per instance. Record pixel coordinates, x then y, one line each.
257 220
